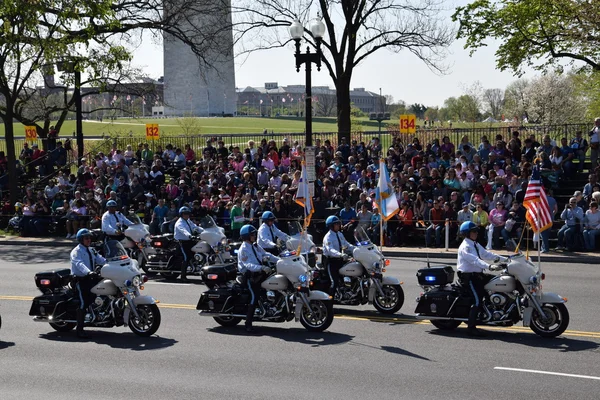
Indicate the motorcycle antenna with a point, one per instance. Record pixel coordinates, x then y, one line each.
428 265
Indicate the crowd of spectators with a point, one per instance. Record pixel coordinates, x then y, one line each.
434 182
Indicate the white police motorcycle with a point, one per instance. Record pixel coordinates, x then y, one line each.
118 297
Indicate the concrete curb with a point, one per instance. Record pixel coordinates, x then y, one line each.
34 243
583 259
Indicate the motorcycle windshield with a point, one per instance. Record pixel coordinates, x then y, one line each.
114 250
134 218
294 228
207 222
362 239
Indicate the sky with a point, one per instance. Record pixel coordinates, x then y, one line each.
401 75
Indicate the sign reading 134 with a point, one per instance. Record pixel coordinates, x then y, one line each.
152 132
408 123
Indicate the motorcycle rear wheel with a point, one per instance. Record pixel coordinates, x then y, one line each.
227 321
149 320
444 325
322 315
63 326
393 300
555 325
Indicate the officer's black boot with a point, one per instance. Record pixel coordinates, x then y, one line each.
80 322
184 278
249 318
472 324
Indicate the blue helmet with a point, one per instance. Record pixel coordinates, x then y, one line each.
268 215
111 203
83 233
184 210
467 227
246 231
332 219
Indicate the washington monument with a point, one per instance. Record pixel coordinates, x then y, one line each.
204 87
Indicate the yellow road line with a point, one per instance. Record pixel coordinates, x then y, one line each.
375 318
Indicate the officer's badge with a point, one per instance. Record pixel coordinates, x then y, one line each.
244 258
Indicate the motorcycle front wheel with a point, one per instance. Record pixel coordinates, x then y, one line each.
556 322
228 321
148 322
391 301
63 326
320 318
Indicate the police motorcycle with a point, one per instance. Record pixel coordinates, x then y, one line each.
514 295
298 239
363 279
211 248
137 241
288 294
118 297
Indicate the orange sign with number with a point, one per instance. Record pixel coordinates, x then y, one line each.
152 132
408 123
30 133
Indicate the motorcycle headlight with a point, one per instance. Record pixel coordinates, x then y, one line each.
313 249
304 280
136 281
224 242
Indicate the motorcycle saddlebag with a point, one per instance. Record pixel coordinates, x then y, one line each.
216 300
45 305
53 279
435 276
219 273
436 302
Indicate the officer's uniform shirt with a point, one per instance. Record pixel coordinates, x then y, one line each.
185 229
333 243
267 236
110 221
472 256
84 259
250 257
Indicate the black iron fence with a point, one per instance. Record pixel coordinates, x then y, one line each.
425 135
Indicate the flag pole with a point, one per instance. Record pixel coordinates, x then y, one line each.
380 230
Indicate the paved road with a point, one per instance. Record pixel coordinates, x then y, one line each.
363 355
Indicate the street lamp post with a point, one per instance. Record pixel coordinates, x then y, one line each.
317 28
71 67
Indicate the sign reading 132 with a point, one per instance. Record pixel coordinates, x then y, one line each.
152 132
408 123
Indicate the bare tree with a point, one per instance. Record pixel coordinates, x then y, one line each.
494 101
326 106
356 29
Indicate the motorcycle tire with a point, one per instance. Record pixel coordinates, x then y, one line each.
63 327
557 323
228 321
390 290
322 310
149 321
443 325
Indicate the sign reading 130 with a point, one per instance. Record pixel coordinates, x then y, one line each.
152 132
408 123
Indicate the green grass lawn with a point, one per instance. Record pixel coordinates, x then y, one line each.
172 126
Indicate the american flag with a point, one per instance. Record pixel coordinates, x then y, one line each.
536 203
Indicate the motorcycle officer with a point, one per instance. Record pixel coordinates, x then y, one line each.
185 229
113 221
334 257
83 262
250 265
471 264
268 233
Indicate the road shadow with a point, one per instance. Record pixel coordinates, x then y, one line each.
6 345
563 344
34 255
375 316
393 350
116 340
292 335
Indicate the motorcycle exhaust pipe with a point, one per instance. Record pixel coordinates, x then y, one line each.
204 313
55 321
